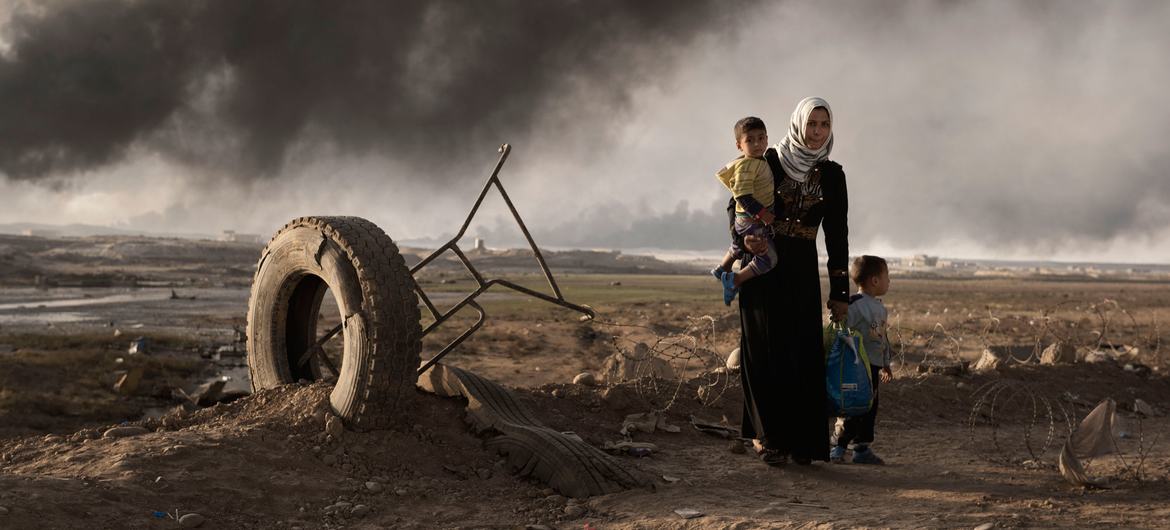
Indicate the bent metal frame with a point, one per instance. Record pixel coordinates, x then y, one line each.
486 283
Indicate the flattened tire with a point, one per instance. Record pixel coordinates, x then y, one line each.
375 296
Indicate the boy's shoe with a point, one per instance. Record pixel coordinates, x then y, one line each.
866 456
837 455
717 273
729 290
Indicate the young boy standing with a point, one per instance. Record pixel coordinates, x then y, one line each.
868 316
751 184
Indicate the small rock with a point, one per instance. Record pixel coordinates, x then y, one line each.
733 360
585 379
1145 409
374 487
329 460
558 393
400 492
574 511
483 473
333 426
3 510
737 447
688 513
985 526
360 510
191 520
124 432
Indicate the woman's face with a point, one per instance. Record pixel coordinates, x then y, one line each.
816 131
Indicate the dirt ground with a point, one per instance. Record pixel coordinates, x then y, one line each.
274 460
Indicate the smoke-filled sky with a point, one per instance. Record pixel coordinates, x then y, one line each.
987 129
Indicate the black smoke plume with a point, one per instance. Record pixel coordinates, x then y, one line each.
241 84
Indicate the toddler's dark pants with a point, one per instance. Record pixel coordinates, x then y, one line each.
859 429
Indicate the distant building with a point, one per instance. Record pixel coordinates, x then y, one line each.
922 260
234 237
40 232
479 245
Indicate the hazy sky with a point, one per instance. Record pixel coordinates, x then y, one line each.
967 129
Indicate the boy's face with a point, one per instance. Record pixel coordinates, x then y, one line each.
880 284
753 143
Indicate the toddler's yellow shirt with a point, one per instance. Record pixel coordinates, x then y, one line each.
749 176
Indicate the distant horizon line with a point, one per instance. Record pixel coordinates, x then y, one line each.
665 254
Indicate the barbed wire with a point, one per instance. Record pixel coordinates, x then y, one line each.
678 350
1053 325
998 405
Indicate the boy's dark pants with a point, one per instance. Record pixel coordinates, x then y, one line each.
859 429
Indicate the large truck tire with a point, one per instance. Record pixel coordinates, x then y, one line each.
374 291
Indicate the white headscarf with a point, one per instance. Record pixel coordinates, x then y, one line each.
795 158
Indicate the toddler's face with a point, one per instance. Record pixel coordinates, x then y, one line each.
753 143
882 283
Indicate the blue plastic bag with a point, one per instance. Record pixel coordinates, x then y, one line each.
847 374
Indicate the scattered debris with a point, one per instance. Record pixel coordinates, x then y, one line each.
124 432
990 360
1145 409
689 513
631 448
129 381
140 345
646 422
943 366
1059 353
191 520
1093 437
711 427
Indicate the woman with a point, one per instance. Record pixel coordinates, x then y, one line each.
783 354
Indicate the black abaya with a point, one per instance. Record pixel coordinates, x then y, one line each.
782 349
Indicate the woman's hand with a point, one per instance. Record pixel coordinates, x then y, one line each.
755 244
838 310
886 375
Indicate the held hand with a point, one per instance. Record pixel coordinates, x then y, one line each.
767 217
838 310
755 244
886 375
